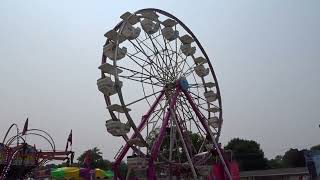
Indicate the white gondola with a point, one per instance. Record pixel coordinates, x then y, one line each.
136 142
209 84
114 36
187 49
118 108
201 71
213 109
149 26
214 122
106 86
110 51
109 69
117 128
150 15
169 33
200 60
137 162
130 32
210 96
186 39
169 22
132 19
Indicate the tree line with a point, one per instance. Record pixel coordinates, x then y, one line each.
247 153
250 156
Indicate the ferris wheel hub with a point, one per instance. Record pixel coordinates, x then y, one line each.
184 84
181 82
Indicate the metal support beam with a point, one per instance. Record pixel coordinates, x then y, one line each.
184 145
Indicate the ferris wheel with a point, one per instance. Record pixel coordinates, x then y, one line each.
162 96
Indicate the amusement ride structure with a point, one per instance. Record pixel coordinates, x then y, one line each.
18 159
163 98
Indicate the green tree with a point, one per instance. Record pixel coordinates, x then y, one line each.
96 158
316 147
248 154
294 158
276 162
178 153
123 168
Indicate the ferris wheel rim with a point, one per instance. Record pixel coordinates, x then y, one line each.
202 51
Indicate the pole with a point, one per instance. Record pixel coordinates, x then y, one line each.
184 145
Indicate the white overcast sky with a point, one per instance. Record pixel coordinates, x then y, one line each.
266 55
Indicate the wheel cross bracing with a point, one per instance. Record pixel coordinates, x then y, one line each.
151 60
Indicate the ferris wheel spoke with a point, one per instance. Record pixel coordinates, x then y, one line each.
159 103
144 91
184 127
139 42
169 54
141 73
157 52
153 40
157 114
179 68
154 51
196 82
184 132
196 85
215 129
155 70
200 104
157 61
148 37
189 70
138 100
159 69
135 78
159 78
166 56
183 117
165 48
157 118
139 78
187 111
183 62
141 81
196 96
153 120
131 56
178 53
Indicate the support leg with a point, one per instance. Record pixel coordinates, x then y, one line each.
156 146
184 145
205 125
125 149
